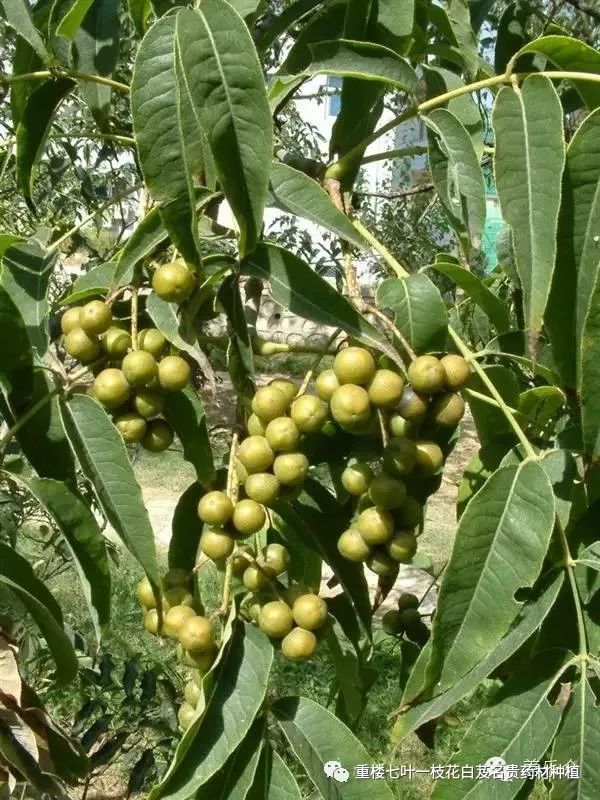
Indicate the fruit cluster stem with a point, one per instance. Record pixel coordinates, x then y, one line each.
314 366
396 266
232 493
134 318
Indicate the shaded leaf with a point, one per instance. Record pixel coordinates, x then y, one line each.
164 316
512 33
459 16
240 356
236 776
66 17
185 412
18 15
490 421
418 308
393 25
439 80
94 283
186 529
476 289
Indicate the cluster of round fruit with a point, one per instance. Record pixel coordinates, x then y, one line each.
406 620
133 379
194 634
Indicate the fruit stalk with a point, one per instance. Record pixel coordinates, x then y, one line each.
323 350
134 318
232 493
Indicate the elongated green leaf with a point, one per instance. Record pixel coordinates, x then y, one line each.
316 736
186 529
66 17
533 614
518 726
234 704
295 192
225 82
297 287
282 784
33 128
16 354
541 404
512 33
149 233
103 458
457 176
164 316
305 564
491 558
460 21
529 160
289 15
571 55
236 776
25 61
476 289
96 52
394 24
84 538
419 310
438 81
185 412
591 556
17 574
240 356
94 283
139 11
18 16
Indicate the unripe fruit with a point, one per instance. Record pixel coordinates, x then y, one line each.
148 403
215 508
429 458
111 388
256 454
447 409
382 564
282 434
173 282
144 594
197 635
457 371
387 492
139 368
239 561
174 373
216 544
152 341
248 517
289 388
385 390
350 406
269 402
352 546
151 621
402 546
400 456
291 468
200 662
275 558
309 413
159 436
296 590
407 600
375 525
192 693
177 596
175 577
410 513
262 487
391 622
185 716
255 426
426 374
354 365
175 618
419 633
70 320
410 617
356 478
131 426
116 343
400 427
253 579
275 619
82 346
412 405
299 644
310 612
326 384
95 317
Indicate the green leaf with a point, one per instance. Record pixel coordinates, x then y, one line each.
94 283
69 18
185 412
478 469
245 7
33 128
489 421
570 55
236 776
25 276
18 16
295 192
148 234
240 356
591 556
419 310
96 52
317 736
186 529
512 34
490 558
528 161
225 83
297 287
232 707
17 574
541 404
457 176
180 334
459 16
476 289
394 23
25 61
439 81
305 563
103 458
282 784
533 614
17 355
518 726
139 11
84 538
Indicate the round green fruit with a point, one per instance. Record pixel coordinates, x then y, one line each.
139 368
275 558
111 388
148 403
159 436
310 612
269 402
309 413
326 384
199 662
296 590
70 320
400 456
151 621
175 618
350 406
410 513
215 508
197 635
356 478
173 282
275 619
382 564
413 405
185 716
175 577
419 633
426 374
352 546
400 427
375 526
291 468
241 560
387 492
298 645
177 596
116 342
82 346
354 365
447 409
385 390
174 373
282 434
410 617
457 371
407 600
131 426
145 594
430 458
289 388
256 454
255 426
152 341
402 546
262 487
254 578
248 517
192 693
391 623
95 317
216 544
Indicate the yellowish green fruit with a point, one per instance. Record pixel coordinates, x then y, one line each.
215 508
275 619
159 436
145 594
310 612
173 282
391 622
385 390
269 402
116 342
95 317
70 320
240 559
199 662
197 635
139 368
131 426
291 468
352 546
176 576
402 546
152 341
289 388
256 454
387 492
275 558
151 621
430 458
111 388
350 406
447 409
296 590
356 478
298 645
426 374
282 434
354 365
412 406
382 564
177 596
326 384
400 456
309 413
253 578
457 371
83 346
174 373
148 403
255 426
400 427
410 513
375 525
192 693
175 618
185 716
216 544
248 517
262 487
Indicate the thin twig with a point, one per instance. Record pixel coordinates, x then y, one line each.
426 187
311 371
